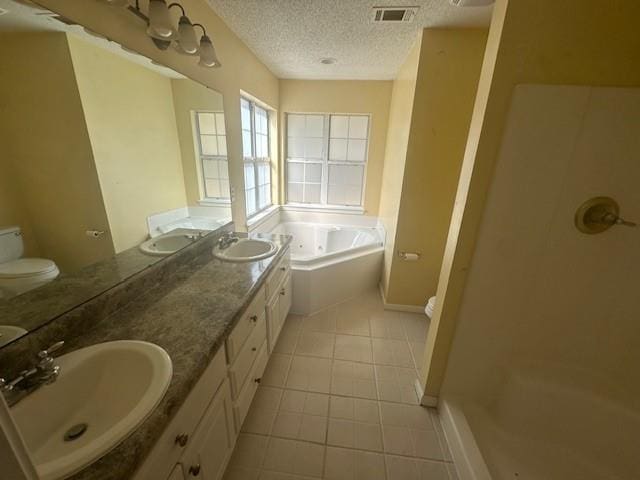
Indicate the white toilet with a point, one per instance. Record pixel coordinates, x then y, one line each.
19 275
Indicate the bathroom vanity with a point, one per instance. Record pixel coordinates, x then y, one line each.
199 440
217 320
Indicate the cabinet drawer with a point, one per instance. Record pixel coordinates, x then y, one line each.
244 361
177 435
243 403
245 326
277 274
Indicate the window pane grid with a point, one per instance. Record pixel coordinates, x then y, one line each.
212 150
257 170
326 158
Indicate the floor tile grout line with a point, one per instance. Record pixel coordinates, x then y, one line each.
443 461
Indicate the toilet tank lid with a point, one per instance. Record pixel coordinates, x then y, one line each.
26 267
10 229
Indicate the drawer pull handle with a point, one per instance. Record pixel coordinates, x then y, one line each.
283 292
253 349
257 380
194 470
253 318
182 439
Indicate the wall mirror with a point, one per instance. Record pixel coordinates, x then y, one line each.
109 164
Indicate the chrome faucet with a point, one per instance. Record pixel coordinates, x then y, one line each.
44 372
195 236
226 240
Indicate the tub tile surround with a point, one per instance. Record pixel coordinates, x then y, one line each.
187 304
352 419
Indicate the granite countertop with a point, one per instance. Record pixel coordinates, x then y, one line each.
190 321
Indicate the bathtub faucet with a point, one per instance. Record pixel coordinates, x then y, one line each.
226 240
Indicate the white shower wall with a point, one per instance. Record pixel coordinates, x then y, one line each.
540 293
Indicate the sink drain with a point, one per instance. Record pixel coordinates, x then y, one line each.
75 432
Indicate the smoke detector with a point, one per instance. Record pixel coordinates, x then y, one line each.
471 3
393 14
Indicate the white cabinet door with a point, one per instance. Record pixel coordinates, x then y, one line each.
176 474
208 454
285 300
273 321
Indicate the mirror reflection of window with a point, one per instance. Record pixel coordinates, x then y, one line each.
212 150
257 161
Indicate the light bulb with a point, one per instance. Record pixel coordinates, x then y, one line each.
188 41
160 25
208 57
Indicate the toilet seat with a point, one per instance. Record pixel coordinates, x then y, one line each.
26 267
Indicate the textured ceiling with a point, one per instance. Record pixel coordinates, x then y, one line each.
291 36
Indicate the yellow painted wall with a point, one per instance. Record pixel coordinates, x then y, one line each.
189 96
46 147
447 79
530 41
346 96
241 70
400 110
13 210
132 126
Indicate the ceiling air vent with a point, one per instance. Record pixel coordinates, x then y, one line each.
393 14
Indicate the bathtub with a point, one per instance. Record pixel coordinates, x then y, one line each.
331 263
552 424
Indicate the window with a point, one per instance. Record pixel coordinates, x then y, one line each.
257 163
326 158
212 150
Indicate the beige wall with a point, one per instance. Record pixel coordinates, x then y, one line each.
46 147
241 69
400 111
189 96
13 210
345 96
530 41
132 127
447 80
430 114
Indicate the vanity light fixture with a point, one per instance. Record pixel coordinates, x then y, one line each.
162 31
208 56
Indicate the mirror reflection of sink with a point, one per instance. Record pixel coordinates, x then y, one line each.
102 394
168 243
9 333
246 250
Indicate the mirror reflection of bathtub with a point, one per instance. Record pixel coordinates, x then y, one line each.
331 263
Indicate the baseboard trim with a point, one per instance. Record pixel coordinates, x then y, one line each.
397 307
428 400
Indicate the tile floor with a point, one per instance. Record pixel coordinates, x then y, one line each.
337 402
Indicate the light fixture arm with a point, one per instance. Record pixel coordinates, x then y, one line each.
204 32
179 6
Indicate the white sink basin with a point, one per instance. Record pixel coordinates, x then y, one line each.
168 243
109 387
9 333
246 250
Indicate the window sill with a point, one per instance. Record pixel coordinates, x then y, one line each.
324 208
214 203
262 216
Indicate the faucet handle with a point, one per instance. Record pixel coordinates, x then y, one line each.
44 354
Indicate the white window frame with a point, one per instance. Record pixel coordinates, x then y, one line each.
201 157
324 181
256 161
